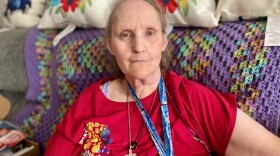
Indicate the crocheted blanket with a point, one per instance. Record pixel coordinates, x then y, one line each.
230 58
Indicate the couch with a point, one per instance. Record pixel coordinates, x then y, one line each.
230 58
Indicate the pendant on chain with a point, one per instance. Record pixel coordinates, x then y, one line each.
130 153
134 145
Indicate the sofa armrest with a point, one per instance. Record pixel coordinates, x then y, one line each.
13 75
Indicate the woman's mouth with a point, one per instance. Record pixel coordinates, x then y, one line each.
137 61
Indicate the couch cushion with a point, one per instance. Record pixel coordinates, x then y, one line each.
13 75
185 13
231 10
90 13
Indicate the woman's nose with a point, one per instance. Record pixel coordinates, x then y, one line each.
138 45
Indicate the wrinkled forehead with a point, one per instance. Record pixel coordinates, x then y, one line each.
136 10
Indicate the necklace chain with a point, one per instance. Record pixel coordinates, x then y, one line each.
195 137
135 144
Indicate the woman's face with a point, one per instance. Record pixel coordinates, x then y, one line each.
137 40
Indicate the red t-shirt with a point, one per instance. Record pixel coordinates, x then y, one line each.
209 113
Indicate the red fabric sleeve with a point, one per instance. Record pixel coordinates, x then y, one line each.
209 113
59 145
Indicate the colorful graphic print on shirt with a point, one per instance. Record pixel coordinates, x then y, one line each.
95 139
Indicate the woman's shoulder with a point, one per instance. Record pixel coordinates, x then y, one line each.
178 81
181 84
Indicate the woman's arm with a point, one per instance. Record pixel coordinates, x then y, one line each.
251 138
59 145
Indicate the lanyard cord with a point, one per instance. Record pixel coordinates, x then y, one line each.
163 151
128 116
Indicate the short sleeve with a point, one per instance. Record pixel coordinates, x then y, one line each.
209 113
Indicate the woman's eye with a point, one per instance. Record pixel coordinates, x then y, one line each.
150 33
125 35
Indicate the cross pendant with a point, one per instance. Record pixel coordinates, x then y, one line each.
130 153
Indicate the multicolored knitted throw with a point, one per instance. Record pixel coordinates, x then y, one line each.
230 58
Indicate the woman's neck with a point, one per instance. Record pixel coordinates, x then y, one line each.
144 87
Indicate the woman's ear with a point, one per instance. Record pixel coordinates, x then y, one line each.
108 44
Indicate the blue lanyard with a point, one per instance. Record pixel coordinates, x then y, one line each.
166 150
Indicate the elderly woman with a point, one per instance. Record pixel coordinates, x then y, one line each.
149 112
